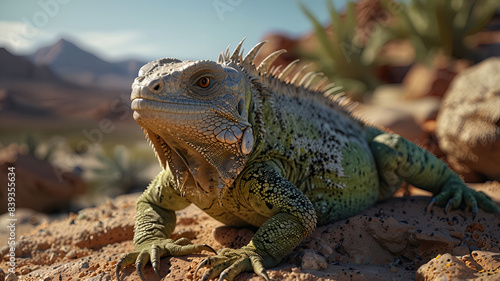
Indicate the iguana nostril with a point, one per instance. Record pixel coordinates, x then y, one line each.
156 86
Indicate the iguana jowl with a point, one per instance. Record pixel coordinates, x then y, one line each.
257 146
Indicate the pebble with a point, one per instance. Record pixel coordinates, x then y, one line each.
11 277
25 270
312 260
71 254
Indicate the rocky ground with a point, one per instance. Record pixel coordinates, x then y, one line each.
393 240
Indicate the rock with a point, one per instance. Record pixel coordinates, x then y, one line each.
468 124
11 277
421 80
38 184
320 246
480 265
310 260
445 267
390 234
489 261
461 251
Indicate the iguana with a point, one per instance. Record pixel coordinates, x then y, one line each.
254 145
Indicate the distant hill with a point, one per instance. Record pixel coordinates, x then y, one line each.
72 63
32 95
17 67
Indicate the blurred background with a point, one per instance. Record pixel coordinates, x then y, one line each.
66 68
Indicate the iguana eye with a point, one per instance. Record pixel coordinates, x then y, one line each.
204 82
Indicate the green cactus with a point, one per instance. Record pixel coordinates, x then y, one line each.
340 56
431 26
434 26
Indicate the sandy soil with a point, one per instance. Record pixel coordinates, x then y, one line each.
388 241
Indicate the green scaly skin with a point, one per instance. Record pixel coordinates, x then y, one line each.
250 146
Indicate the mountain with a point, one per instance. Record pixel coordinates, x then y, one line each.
32 96
17 67
74 64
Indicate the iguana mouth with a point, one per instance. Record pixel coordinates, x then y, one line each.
170 106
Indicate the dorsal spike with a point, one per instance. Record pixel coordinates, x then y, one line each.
221 58
318 86
327 87
288 69
298 74
264 65
351 106
253 52
271 69
226 53
241 55
306 78
236 53
309 82
333 90
274 70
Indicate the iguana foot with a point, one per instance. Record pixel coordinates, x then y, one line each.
228 263
455 192
154 251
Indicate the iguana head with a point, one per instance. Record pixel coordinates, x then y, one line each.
195 113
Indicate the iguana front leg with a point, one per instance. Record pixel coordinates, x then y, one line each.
154 223
291 218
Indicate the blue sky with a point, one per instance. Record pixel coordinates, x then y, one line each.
150 29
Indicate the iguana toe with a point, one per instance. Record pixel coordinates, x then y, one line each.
125 261
140 263
229 263
485 203
155 258
241 265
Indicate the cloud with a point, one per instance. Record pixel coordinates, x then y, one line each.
116 44
21 37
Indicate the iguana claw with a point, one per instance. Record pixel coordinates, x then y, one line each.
156 268
140 264
124 262
202 264
429 206
447 207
